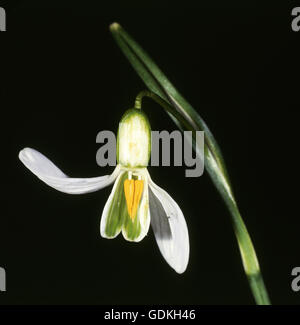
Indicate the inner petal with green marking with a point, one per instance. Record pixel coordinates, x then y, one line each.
133 189
128 209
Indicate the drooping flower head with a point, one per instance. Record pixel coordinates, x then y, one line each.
135 201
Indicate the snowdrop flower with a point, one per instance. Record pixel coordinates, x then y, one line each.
135 201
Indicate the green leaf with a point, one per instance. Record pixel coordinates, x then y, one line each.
187 118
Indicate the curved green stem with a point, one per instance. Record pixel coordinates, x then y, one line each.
170 109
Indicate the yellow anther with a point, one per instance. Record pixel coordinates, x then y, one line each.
133 192
129 193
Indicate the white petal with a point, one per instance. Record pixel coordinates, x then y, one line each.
169 228
46 171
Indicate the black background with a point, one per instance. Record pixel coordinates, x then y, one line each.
63 79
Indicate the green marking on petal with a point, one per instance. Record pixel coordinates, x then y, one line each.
115 216
131 228
118 217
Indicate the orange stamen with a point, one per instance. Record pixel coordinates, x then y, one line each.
133 190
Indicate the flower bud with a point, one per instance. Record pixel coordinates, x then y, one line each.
134 139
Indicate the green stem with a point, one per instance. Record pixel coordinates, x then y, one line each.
247 251
170 109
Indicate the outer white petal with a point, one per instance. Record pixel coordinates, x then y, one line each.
46 171
169 228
